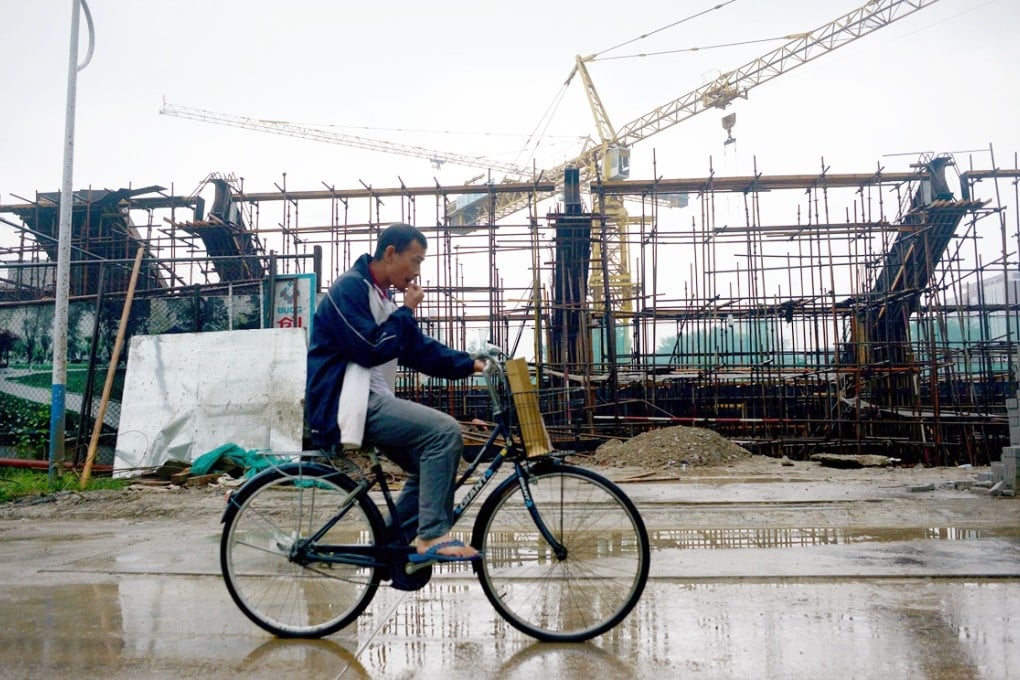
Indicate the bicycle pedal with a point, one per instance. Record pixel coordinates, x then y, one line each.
414 567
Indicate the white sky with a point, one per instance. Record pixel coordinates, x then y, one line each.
940 80
478 78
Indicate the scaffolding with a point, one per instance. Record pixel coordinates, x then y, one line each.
871 312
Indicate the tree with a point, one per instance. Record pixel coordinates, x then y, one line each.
77 340
664 350
214 314
7 340
36 322
247 312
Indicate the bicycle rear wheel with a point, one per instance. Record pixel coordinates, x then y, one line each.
579 594
288 592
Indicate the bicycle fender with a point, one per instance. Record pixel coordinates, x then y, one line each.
238 497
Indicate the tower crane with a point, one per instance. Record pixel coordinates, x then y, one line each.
613 148
734 84
279 127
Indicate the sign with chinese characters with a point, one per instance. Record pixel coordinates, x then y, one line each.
293 302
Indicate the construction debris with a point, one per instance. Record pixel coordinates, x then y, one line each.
839 460
670 447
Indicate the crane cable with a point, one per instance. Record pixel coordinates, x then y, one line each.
537 135
792 36
659 30
558 98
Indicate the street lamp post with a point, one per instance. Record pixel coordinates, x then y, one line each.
59 388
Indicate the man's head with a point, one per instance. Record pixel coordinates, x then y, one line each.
398 256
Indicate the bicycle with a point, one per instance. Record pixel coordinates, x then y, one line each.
564 552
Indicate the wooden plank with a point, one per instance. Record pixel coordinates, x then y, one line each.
179 478
202 480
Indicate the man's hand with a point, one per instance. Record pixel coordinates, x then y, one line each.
413 296
479 365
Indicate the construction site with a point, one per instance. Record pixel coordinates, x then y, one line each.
863 315
873 311
765 387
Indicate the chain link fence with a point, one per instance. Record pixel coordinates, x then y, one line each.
26 355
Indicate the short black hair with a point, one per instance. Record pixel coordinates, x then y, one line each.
399 236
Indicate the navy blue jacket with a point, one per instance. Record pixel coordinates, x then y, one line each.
345 330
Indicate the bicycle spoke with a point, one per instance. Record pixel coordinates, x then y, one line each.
602 574
258 556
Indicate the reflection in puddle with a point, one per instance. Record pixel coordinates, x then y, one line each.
898 628
323 658
173 627
787 537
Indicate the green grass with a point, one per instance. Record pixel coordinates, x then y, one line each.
18 482
74 381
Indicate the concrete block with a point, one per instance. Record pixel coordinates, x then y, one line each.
1012 404
1014 436
1009 467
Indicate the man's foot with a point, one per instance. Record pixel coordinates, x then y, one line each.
443 549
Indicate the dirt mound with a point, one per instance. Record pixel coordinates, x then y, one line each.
670 447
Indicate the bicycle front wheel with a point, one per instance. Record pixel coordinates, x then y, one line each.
581 591
287 590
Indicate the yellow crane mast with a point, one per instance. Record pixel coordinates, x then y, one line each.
613 149
800 49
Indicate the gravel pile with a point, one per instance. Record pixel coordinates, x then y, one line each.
670 447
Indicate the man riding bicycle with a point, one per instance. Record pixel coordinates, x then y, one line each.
358 338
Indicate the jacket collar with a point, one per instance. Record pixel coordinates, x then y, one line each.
361 265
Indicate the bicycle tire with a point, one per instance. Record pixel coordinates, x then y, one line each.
264 519
603 574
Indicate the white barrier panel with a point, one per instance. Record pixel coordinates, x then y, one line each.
185 394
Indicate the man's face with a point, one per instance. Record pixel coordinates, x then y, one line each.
404 267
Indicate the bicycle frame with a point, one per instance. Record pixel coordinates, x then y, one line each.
379 556
519 476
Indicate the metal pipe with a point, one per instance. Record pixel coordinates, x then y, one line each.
43 465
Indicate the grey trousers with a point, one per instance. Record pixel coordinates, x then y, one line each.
427 444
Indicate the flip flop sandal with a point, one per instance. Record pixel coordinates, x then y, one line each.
433 555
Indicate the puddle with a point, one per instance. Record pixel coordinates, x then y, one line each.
791 537
171 627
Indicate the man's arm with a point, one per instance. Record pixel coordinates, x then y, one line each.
432 357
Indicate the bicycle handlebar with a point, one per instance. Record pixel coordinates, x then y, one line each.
493 372
490 352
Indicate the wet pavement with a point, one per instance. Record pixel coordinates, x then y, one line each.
750 579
